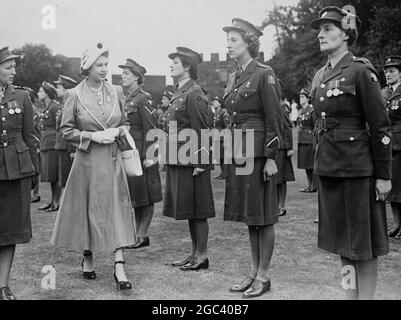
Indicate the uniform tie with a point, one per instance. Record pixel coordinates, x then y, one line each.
390 90
1 94
238 73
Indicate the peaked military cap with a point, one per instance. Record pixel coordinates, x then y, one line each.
134 66
168 94
392 61
242 25
65 81
336 15
188 53
305 92
6 55
49 88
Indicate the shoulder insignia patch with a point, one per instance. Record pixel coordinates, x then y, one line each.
386 140
373 77
271 80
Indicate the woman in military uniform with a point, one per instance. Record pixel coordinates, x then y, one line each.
18 168
353 155
392 96
283 160
188 194
145 190
48 154
36 134
305 139
65 151
220 121
252 98
95 211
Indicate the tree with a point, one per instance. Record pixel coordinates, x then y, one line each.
38 64
298 57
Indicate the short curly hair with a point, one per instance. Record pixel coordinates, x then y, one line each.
193 67
253 43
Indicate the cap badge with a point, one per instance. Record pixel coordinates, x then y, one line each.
324 14
388 60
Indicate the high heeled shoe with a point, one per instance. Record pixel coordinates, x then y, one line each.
6 294
88 275
121 285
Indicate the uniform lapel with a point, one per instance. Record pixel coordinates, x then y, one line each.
343 63
397 92
247 73
181 91
9 95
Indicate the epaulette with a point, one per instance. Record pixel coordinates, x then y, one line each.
265 66
363 60
147 94
19 88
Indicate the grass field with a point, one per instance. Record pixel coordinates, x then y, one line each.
299 270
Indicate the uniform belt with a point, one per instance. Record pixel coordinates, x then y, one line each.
10 138
326 124
243 117
49 130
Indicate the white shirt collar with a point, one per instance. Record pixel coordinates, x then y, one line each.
395 86
243 66
182 82
337 59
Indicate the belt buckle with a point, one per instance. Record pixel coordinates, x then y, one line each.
324 124
4 139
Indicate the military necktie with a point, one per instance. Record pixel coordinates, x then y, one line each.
1 94
390 91
238 73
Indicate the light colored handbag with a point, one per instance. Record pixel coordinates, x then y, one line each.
131 158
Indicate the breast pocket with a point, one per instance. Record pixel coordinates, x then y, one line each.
246 93
24 159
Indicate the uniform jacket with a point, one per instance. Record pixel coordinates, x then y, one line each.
354 138
306 124
18 158
220 119
254 103
48 125
61 144
142 118
82 115
286 143
36 127
393 105
189 107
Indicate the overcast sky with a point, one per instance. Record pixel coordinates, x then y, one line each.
145 30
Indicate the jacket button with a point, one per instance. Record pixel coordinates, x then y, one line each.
234 113
4 131
351 138
235 90
321 99
323 114
322 86
3 119
232 101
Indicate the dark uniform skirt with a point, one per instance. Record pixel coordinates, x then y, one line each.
395 194
305 156
15 206
49 166
186 196
249 199
352 223
285 169
64 167
146 189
